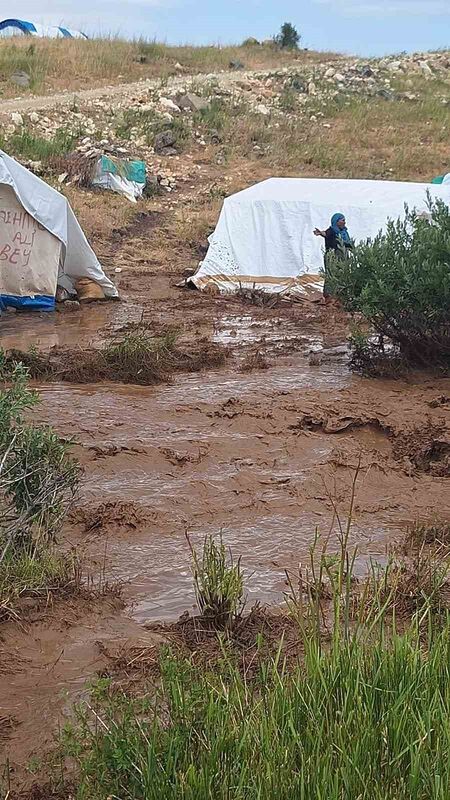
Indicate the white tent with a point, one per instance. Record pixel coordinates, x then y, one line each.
41 242
264 238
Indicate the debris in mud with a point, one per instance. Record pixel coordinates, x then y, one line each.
180 459
47 791
112 514
136 357
338 424
111 450
253 361
426 449
257 297
442 400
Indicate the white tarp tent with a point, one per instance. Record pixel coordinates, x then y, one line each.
41 241
264 238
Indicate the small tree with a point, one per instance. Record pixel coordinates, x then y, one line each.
288 38
400 282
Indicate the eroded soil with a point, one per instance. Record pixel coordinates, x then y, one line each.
264 456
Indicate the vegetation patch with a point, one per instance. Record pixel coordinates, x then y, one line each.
38 482
400 282
133 357
361 712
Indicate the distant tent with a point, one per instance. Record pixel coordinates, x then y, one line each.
42 245
11 27
264 237
442 179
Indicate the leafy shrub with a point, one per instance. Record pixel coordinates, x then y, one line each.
38 478
400 282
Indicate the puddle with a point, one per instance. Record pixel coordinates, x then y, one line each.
67 329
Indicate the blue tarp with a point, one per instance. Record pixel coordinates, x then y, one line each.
38 303
30 29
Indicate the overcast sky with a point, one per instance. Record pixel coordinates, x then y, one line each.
369 27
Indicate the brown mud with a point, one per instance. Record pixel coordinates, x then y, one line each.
264 456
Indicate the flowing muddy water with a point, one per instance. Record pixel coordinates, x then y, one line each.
263 457
221 452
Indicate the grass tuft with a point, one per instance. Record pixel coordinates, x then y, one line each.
218 583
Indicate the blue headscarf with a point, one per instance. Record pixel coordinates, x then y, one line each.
342 232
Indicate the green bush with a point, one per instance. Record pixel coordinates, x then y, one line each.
288 38
38 477
400 282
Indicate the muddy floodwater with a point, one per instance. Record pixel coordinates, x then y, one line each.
265 458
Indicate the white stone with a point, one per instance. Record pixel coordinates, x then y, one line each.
17 118
330 73
339 78
394 66
425 67
262 109
34 117
169 105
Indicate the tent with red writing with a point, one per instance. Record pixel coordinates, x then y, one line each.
42 245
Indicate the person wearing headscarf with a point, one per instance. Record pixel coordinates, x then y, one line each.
337 242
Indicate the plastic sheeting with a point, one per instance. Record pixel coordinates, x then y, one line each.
264 238
128 178
52 213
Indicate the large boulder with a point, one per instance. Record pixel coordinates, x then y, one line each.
192 102
165 142
21 78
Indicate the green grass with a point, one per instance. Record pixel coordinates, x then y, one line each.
149 124
218 583
360 714
35 571
24 144
361 722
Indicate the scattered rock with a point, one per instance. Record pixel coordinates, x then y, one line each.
215 137
164 141
192 102
169 105
366 71
236 65
34 118
425 67
21 78
299 86
262 109
386 94
16 118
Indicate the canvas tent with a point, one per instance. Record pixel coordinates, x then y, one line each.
264 238
41 242
14 27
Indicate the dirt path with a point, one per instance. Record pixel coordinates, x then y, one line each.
124 90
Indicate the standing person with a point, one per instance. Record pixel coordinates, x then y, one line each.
337 241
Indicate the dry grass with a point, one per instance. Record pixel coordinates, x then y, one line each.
56 65
366 139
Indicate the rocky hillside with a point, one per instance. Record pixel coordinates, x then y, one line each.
363 110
